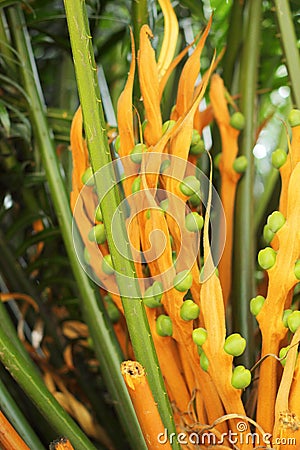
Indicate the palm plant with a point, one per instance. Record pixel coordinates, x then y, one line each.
141 342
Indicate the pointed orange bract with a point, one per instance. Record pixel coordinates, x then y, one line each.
170 37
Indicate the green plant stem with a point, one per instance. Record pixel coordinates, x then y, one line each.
11 410
95 129
105 343
244 245
27 376
139 13
290 46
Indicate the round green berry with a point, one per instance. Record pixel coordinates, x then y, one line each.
297 269
235 344
237 120
267 258
195 200
183 281
241 377
197 149
294 321
194 222
278 158
98 214
190 185
97 234
87 177
164 325
189 310
204 363
285 316
217 160
136 185
240 164
268 234
199 336
256 304
283 354
196 138
168 125
152 296
275 221
294 117
107 265
136 153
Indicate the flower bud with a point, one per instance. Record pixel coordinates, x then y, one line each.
164 325
240 164
194 222
197 149
294 118
237 121
256 304
190 185
294 321
285 316
217 160
241 377
189 310
152 296
235 344
97 234
279 158
268 234
267 258
199 336
183 281
275 221
195 200
136 153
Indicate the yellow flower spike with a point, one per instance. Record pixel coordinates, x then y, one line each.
79 156
125 109
281 281
148 77
189 74
282 405
170 38
229 177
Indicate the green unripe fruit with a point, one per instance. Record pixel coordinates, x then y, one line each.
268 234
168 125
107 265
136 185
199 336
217 160
197 149
196 138
240 164
164 325
285 316
235 344
278 158
97 234
294 117
294 321
183 281
86 256
190 185
117 143
164 204
237 121
241 377
113 312
189 310
194 222
195 200
204 363
153 295
275 221
256 304
267 258
297 269
87 177
283 354
136 153
98 214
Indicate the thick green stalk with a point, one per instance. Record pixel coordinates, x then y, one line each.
139 13
27 376
11 410
99 151
290 46
105 343
244 245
